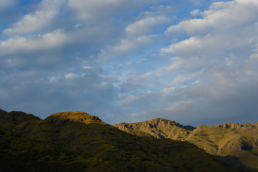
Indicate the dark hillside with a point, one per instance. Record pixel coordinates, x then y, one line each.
76 141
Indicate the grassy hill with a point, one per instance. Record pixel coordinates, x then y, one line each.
158 128
235 143
76 141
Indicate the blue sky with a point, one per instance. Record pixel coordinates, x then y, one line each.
193 61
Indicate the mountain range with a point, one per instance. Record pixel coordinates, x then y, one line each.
235 143
77 141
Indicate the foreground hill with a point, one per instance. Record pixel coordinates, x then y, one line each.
76 141
235 143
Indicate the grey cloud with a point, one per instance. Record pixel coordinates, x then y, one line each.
224 85
214 100
209 77
34 92
6 4
37 20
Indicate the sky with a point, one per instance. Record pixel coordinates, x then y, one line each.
193 61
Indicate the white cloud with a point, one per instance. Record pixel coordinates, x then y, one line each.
224 33
190 44
195 12
213 71
210 74
136 35
220 16
37 20
46 41
125 45
143 25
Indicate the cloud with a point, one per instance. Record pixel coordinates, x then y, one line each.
40 19
197 1
46 41
195 12
143 25
211 46
217 97
137 35
211 77
125 61
63 90
97 9
220 16
125 45
6 4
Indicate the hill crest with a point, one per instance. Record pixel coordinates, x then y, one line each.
81 117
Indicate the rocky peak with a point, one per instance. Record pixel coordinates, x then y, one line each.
165 122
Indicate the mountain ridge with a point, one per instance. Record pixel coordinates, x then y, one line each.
70 142
227 139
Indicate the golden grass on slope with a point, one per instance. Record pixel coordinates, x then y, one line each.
228 139
81 117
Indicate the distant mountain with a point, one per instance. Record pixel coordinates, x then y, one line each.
158 128
235 143
77 141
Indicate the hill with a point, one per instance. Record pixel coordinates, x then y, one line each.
77 141
158 128
237 144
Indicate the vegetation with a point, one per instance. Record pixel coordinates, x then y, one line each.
237 144
76 141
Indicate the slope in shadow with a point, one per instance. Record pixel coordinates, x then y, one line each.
77 141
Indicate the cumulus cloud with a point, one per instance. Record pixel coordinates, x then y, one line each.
220 16
47 54
124 61
217 97
46 41
123 46
143 25
137 35
213 45
37 20
212 77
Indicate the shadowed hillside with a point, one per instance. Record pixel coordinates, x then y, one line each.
76 141
237 144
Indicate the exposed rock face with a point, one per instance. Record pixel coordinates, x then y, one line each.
158 128
228 139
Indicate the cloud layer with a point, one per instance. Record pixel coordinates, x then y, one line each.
134 60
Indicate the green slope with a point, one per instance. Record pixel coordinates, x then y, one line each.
226 140
76 141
